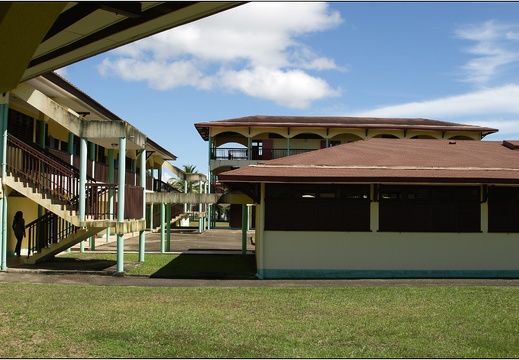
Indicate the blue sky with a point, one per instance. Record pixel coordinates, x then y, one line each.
450 61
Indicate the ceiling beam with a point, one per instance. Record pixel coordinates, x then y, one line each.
23 25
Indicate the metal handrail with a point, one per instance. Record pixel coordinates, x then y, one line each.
47 230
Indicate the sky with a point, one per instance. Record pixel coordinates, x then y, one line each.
449 61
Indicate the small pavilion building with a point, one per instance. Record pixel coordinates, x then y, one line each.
387 208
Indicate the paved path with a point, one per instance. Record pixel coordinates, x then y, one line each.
100 273
133 280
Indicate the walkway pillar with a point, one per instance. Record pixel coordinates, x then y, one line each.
200 217
162 230
209 181
120 203
185 192
244 223
168 227
70 151
92 157
82 183
4 107
142 236
111 180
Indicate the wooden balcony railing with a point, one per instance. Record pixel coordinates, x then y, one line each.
100 196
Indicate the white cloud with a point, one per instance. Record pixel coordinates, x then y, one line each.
233 46
496 46
293 88
496 107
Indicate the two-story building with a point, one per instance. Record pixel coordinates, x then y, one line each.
75 170
240 142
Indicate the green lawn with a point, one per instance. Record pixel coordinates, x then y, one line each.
38 320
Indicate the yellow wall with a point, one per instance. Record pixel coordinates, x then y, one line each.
30 213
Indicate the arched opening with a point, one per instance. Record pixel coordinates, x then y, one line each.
305 142
423 137
386 136
229 146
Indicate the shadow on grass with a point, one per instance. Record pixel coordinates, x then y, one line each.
207 266
68 263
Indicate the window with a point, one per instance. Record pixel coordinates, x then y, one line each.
317 207
503 209
429 208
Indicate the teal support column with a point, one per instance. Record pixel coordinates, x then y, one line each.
185 192
92 157
70 151
244 223
120 203
82 177
327 142
4 108
288 146
82 184
168 228
111 180
41 141
151 217
142 236
162 230
209 180
4 233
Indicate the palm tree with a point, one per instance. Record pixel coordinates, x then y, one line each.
179 184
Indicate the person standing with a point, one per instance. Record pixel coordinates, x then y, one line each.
19 231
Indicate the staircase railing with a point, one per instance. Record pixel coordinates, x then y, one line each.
46 174
49 174
47 230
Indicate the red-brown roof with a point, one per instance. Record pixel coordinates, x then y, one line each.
391 160
261 121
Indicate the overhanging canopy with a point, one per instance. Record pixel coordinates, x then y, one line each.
38 37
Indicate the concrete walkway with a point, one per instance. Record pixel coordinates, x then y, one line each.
227 241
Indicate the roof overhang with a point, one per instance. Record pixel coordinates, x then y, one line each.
57 34
339 122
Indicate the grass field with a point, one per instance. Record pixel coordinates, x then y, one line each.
75 321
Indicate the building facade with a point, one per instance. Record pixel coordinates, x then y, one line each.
387 208
240 142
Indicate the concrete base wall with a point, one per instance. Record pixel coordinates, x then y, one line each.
385 254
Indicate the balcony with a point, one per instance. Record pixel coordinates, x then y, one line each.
257 153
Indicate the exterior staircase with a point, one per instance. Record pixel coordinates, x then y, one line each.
63 244
45 199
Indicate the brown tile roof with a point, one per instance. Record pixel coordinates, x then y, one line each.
391 160
340 122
